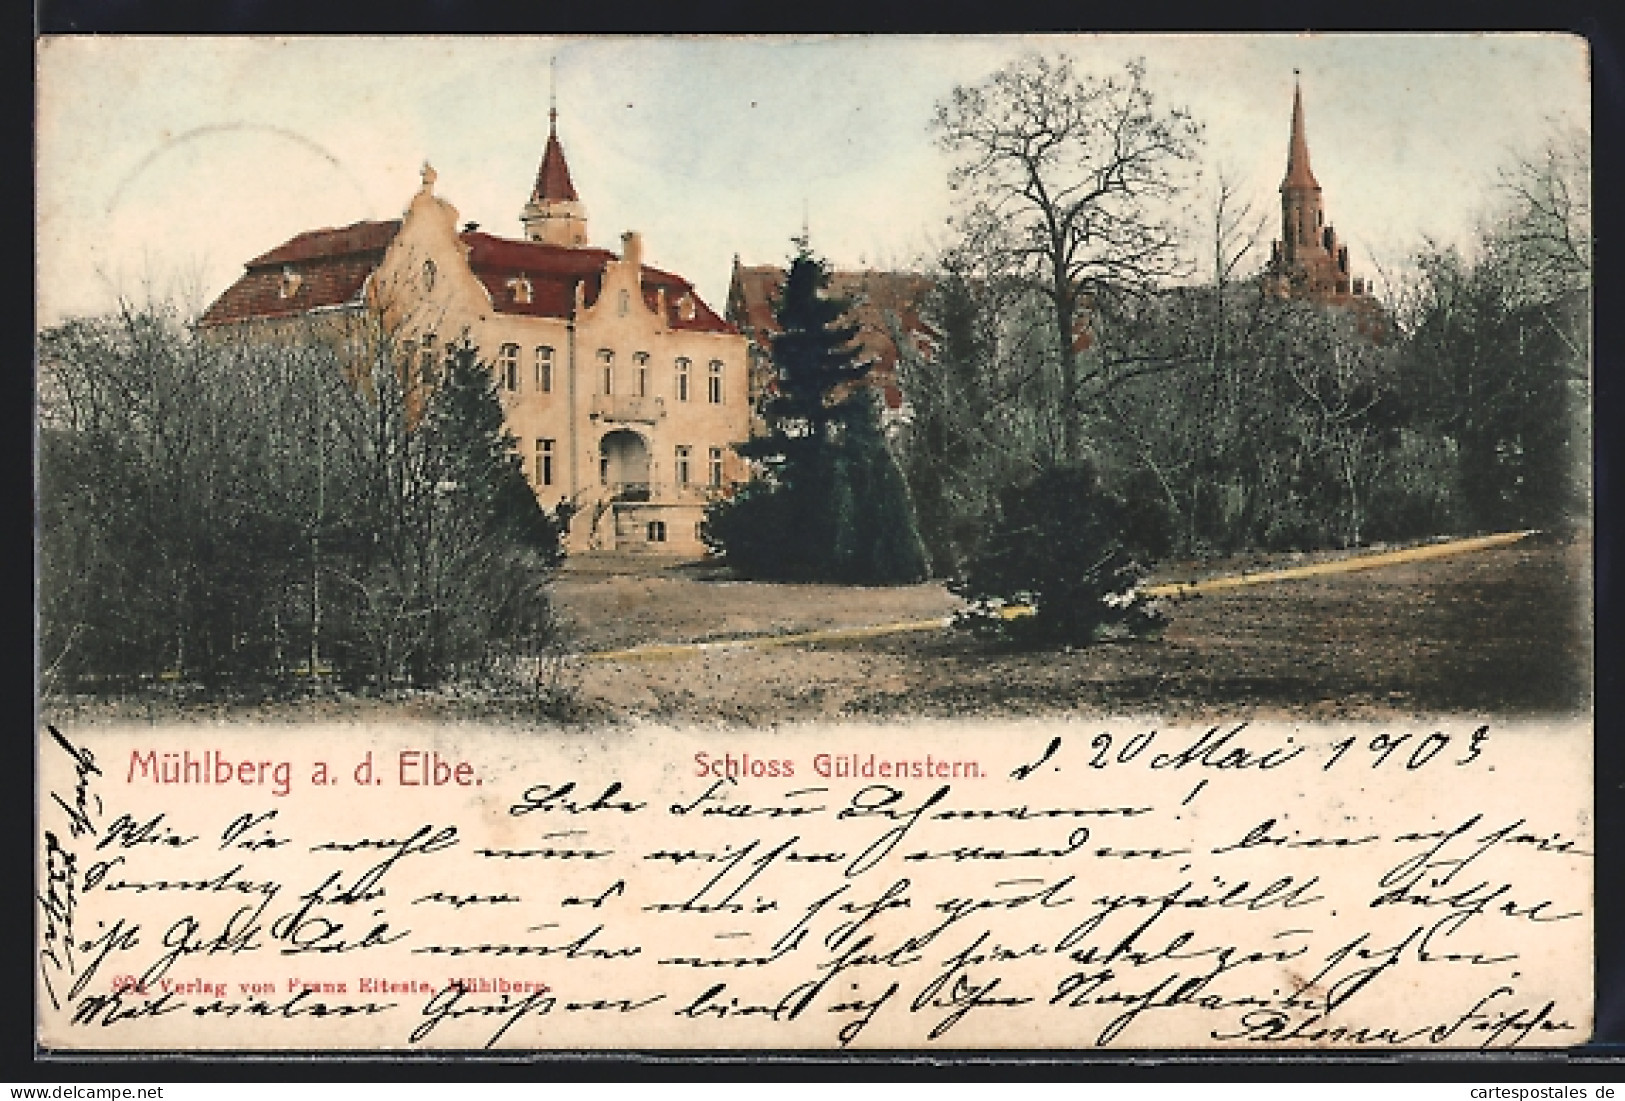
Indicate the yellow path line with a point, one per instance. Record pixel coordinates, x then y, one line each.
658 651
1342 565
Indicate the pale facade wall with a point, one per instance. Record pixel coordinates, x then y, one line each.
449 301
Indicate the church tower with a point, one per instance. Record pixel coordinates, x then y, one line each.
554 215
1307 261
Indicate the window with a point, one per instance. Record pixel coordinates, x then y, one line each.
625 302
544 462
426 357
713 383
290 283
508 367
544 370
603 470
521 289
428 275
682 380
657 531
642 361
606 370
716 467
683 451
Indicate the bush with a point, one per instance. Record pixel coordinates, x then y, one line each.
1073 553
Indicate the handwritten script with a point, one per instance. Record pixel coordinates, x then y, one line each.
1060 885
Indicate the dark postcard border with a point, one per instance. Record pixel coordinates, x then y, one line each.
1607 1051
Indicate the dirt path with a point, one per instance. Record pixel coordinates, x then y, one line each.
694 603
1501 631
633 594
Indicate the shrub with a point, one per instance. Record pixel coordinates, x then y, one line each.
1073 553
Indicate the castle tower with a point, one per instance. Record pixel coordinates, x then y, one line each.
554 215
1307 261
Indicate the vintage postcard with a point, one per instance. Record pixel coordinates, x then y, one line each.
926 544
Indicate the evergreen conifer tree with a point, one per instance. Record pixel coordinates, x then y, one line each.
833 505
472 454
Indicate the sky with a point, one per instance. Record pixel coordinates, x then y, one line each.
165 163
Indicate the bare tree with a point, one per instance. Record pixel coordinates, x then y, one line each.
1546 228
1067 178
1498 344
255 505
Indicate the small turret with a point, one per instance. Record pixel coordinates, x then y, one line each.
554 215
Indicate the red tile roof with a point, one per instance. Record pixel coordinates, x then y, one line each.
554 270
553 177
751 298
332 265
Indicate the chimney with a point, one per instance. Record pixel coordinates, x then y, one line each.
632 248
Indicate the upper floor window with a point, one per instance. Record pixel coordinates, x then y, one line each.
426 357
606 371
508 367
683 452
715 465
713 383
544 369
641 360
682 380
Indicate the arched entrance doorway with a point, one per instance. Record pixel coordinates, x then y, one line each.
623 465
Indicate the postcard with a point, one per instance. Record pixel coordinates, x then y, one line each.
916 544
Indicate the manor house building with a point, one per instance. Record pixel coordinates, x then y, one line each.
624 389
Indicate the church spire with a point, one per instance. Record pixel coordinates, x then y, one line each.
1298 173
1307 261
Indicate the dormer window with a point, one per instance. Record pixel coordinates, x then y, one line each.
522 290
685 307
290 283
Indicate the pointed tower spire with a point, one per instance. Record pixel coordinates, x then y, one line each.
1308 261
554 214
552 97
1298 173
